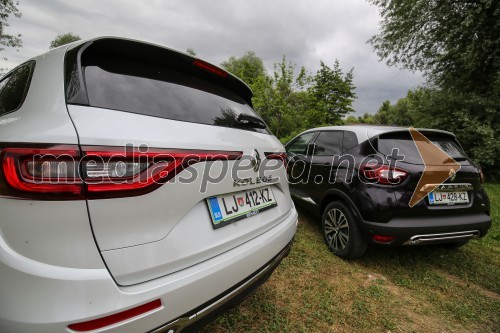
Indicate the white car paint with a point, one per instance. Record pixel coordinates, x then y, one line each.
63 262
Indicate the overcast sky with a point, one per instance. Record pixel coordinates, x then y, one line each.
305 31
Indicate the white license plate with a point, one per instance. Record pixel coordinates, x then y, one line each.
228 208
448 198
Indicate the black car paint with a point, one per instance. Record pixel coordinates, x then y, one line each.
384 209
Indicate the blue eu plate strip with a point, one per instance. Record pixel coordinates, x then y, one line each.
214 206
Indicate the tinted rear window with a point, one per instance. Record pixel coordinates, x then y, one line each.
404 142
14 87
156 90
350 141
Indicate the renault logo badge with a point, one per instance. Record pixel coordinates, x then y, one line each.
256 160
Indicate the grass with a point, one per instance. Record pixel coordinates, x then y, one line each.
411 289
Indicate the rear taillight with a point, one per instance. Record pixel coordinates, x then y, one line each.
210 68
276 156
383 174
41 170
66 172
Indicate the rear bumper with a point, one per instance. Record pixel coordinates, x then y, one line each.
428 230
36 297
192 320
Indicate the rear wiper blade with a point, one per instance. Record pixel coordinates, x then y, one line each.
455 159
250 121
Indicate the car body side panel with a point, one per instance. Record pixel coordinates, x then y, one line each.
49 232
60 296
43 117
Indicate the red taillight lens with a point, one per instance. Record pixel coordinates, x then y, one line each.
383 174
210 68
42 170
276 156
116 318
383 239
111 171
98 172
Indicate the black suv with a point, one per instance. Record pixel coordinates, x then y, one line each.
360 180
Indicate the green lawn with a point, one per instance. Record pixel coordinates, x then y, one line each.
410 289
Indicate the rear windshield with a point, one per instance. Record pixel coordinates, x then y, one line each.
404 142
156 90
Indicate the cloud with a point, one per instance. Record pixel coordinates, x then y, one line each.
305 31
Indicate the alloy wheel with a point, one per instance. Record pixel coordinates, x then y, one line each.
336 229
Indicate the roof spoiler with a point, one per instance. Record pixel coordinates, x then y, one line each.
76 53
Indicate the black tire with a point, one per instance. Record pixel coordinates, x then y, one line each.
455 245
341 231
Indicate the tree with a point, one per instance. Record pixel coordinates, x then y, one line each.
333 92
455 43
365 119
249 67
8 8
63 39
398 114
190 51
291 100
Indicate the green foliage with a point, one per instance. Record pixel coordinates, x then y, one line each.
291 101
333 92
365 119
248 68
8 8
63 39
455 42
398 114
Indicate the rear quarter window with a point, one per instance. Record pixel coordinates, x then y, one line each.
14 87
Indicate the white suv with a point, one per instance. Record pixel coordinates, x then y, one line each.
139 191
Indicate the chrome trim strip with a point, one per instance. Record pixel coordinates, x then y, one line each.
445 187
177 325
430 238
